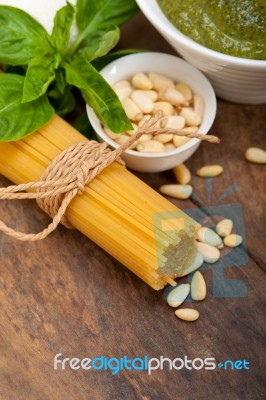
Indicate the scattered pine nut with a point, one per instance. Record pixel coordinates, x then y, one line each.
224 227
233 240
178 295
256 155
207 235
210 254
176 191
187 314
198 287
182 174
210 171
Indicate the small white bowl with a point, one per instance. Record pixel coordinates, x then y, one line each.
178 70
235 79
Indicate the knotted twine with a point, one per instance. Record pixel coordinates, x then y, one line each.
69 173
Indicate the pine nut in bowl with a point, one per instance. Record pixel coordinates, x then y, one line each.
152 73
240 79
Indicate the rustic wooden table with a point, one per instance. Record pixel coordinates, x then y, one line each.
66 295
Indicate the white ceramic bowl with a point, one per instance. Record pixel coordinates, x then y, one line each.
235 79
178 70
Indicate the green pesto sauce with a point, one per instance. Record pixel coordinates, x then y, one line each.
234 27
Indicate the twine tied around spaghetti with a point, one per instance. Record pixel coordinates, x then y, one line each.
69 173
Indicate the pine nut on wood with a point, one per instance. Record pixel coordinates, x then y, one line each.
210 171
182 174
256 155
233 240
210 254
187 314
198 287
207 235
178 295
224 227
176 191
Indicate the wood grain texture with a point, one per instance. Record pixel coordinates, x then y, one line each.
66 295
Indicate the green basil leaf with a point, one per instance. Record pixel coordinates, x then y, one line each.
93 15
82 124
16 119
64 104
39 75
59 85
97 93
63 21
100 43
21 37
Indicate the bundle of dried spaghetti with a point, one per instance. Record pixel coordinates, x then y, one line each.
119 212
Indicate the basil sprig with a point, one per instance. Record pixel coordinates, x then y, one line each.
54 65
